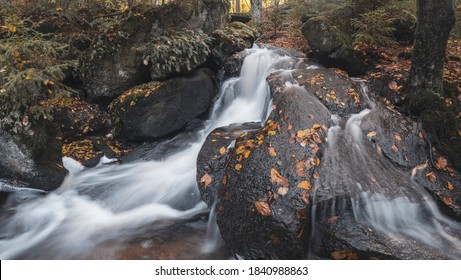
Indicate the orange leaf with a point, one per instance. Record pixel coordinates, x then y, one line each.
450 186
304 185
276 177
290 127
441 163
238 166
431 176
206 180
447 201
301 134
371 134
263 208
316 126
247 154
398 138
344 254
222 150
394 148
393 86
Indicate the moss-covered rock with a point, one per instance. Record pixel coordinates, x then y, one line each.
156 109
331 45
234 38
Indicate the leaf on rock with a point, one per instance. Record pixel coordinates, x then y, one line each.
394 86
276 177
398 138
290 127
282 191
238 166
441 163
301 134
263 208
371 134
247 154
450 186
395 148
272 152
448 201
206 180
304 185
222 150
431 176
344 255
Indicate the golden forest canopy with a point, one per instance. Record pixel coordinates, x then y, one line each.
244 6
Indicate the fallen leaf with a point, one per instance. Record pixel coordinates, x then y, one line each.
222 150
450 186
282 191
301 134
276 177
272 152
371 134
247 154
238 166
398 138
394 148
290 127
316 126
448 201
205 181
394 86
263 208
441 163
344 254
304 185
431 176
332 220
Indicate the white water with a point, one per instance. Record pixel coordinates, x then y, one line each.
118 202
400 209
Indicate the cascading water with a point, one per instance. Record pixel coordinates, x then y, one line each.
381 195
114 204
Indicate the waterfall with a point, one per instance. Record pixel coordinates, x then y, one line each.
118 203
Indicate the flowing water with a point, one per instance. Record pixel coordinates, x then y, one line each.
153 209
133 210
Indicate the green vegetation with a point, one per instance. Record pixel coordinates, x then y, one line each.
374 28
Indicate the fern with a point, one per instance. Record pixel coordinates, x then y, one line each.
374 28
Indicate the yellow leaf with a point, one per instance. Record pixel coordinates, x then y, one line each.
271 132
304 185
238 166
222 150
316 126
247 154
282 191
205 181
263 208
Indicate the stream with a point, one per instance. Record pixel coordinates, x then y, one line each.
153 209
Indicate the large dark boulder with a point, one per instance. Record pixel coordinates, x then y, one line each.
330 45
156 109
263 183
121 57
34 159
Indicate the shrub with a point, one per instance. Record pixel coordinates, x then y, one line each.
374 28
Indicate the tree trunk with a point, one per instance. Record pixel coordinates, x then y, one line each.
257 10
435 19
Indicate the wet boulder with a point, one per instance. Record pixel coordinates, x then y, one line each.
156 109
234 38
330 45
34 159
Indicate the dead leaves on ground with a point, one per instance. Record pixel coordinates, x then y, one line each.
205 181
263 208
